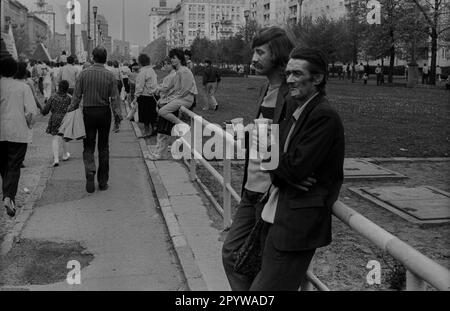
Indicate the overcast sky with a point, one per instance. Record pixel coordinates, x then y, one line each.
137 20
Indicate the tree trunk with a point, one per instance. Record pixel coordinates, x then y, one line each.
434 39
391 58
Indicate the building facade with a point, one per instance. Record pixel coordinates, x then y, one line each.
210 19
157 14
121 48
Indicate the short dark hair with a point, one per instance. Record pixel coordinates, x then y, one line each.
279 44
317 63
70 60
188 53
207 61
63 86
21 72
116 64
100 55
179 54
8 67
144 59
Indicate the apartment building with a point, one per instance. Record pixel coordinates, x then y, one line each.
211 19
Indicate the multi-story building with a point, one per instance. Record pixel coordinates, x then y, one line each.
157 14
211 19
13 13
121 48
38 31
283 12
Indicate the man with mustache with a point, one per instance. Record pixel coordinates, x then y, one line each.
311 141
271 47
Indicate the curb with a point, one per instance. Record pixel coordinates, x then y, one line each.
184 252
13 236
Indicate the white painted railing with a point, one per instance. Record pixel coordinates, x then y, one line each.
420 269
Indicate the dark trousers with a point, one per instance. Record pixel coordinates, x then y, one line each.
11 157
97 120
243 222
280 271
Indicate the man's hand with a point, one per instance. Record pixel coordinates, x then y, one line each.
307 184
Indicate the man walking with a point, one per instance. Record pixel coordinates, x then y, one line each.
211 80
379 74
425 72
311 142
98 89
69 73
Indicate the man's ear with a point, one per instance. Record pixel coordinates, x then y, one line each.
318 78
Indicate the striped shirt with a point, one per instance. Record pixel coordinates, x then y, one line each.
96 86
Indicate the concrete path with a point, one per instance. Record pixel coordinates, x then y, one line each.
189 206
120 227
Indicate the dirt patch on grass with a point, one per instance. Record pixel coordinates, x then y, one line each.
34 262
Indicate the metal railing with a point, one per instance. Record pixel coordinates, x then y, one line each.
419 268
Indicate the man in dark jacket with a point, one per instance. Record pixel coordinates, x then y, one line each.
271 48
311 142
211 80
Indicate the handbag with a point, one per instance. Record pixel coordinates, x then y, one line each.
249 255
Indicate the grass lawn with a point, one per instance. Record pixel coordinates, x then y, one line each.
379 121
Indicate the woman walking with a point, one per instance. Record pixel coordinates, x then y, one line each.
17 112
23 75
57 105
146 87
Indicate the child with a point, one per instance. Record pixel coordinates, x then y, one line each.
365 78
57 105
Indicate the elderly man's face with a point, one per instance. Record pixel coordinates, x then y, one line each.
300 81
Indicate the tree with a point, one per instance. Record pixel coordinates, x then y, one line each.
324 34
355 31
202 49
156 50
437 16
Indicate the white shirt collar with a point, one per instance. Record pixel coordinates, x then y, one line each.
300 109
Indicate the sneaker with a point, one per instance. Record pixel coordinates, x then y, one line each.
103 187
216 107
56 164
90 184
66 156
10 208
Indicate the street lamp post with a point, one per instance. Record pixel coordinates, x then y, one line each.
100 33
89 29
246 15
198 32
217 24
95 10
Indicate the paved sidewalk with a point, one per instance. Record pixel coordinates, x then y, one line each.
121 227
32 179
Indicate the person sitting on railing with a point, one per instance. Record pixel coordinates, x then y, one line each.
165 90
183 93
